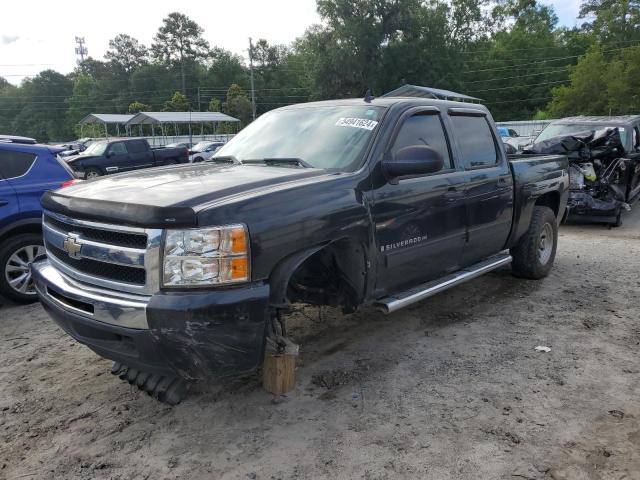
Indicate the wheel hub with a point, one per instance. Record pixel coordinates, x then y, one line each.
545 244
17 271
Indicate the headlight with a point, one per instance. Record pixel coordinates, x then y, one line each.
206 256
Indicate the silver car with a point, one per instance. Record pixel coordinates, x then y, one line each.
204 151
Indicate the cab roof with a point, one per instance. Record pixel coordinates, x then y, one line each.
387 102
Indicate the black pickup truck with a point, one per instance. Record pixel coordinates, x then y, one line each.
180 273
122 155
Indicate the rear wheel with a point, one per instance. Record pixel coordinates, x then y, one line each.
618 220
198 159
16 256
534 255
92 173
170 162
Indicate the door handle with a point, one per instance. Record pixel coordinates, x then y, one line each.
4 202
452 194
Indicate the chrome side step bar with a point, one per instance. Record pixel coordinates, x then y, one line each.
400 300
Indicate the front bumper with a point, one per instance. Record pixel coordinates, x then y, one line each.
191 334
584 205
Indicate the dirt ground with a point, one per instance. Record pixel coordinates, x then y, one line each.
450 388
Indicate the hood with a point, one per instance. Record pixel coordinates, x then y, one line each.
77 156
168 195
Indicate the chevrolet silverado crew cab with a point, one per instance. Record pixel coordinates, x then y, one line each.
180 273
122 155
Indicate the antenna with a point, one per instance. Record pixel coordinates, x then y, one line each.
81 49
368 96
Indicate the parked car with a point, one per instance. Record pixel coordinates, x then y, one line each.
76 147
186 145
341 203
102 158
17 139
604 159
513 138
26 172
204 151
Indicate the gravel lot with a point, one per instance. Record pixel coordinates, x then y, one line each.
451 388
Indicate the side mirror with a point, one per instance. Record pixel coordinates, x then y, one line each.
413 160
110 154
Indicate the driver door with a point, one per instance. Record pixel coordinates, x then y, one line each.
420 221
118 158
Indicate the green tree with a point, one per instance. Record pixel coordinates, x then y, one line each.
613 20
177 103
126 53
215 105
587 93
178 41
237 104
515 70
83 100
137 107
42 112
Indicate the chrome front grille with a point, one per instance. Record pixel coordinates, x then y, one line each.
111 256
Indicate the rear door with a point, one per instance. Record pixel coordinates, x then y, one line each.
419 220
13 166
140 154
489 184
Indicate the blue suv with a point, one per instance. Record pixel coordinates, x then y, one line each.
26 172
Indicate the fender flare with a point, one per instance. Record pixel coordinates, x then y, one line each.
279 278
26 222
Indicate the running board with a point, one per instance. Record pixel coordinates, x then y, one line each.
400 300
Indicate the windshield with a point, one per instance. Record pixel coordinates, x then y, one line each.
331 137
562 129
200 147
96 149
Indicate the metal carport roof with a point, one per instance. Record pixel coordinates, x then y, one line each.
106 118
146 118
428 92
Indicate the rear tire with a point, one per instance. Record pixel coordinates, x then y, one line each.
16 256
618 221
90 173
534 255
198 159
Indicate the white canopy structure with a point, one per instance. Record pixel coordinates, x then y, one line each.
107 119
148 118
162 120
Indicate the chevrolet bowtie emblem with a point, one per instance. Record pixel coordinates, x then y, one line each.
72 247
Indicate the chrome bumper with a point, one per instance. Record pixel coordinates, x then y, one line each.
102 305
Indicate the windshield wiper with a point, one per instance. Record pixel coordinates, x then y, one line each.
225 159
281 161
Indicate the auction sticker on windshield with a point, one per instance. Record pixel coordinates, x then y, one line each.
363 123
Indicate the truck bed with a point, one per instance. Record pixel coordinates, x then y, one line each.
536 175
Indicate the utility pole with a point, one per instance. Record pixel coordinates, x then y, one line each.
253 91
199 108
81 49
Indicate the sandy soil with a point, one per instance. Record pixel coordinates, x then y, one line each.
450 388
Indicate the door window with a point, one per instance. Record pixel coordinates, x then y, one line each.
118 148
476 142
15 164
424 129
137 146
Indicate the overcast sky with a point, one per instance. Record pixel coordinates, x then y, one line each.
39 34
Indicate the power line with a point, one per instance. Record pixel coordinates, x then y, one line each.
521 86
535 63
546 72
